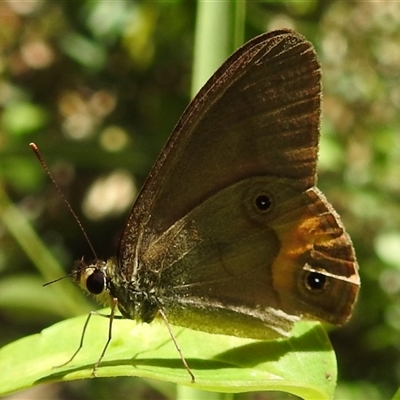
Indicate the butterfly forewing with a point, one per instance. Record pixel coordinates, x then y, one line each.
258 115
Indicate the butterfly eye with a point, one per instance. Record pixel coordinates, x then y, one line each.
263 202
315 282
95 282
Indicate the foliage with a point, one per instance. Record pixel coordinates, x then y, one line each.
99 86
219 363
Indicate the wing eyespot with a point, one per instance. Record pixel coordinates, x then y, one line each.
258 201
263 202
315 282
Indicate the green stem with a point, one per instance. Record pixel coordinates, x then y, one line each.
219 30
188 393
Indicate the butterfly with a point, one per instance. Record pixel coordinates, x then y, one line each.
229 233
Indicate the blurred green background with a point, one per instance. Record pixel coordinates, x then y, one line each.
99 85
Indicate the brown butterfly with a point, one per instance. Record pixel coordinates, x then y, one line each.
229 233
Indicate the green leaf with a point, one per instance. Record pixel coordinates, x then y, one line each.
303 365
396 395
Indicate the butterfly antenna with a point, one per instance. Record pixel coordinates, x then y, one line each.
44 165
56 280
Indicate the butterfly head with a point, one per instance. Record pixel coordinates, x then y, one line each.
93 278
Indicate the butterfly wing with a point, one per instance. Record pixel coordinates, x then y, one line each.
258 116
231 266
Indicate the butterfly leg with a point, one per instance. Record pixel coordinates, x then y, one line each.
165 319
